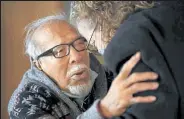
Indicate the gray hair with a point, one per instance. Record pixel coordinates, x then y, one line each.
32 48
109 14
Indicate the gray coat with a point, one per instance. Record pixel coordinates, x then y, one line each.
38 96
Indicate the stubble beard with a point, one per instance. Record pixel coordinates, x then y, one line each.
80 90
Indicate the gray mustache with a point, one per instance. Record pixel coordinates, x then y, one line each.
77 68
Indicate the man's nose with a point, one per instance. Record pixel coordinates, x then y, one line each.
75 56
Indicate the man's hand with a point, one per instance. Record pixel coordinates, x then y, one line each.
120 94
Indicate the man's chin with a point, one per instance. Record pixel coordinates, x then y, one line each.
81 82
80 90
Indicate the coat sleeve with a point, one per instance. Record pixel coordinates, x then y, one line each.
92 112
34 102
140 33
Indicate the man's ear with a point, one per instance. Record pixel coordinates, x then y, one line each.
37 63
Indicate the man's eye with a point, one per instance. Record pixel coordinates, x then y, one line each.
61 50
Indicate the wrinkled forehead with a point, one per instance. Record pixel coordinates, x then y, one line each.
61 28
56 32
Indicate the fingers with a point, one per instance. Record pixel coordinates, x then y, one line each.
138 77
119 96
147 99
139 87
128 66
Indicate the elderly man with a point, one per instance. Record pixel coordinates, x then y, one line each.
67 82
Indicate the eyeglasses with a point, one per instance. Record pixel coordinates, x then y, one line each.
61 50
91 48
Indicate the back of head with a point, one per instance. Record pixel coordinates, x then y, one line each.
108 14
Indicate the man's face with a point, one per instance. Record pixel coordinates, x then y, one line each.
70 72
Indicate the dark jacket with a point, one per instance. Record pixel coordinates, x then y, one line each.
158 33
38 97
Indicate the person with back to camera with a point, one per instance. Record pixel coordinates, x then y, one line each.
156 29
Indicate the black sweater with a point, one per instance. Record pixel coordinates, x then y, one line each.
158 33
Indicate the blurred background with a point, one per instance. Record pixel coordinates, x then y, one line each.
15 15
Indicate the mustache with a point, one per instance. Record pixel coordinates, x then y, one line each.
77 68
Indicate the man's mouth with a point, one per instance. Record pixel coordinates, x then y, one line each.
79 72
78 75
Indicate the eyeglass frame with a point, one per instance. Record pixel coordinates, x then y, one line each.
92 51
50 51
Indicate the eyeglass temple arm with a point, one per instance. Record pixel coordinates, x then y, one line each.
92 35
